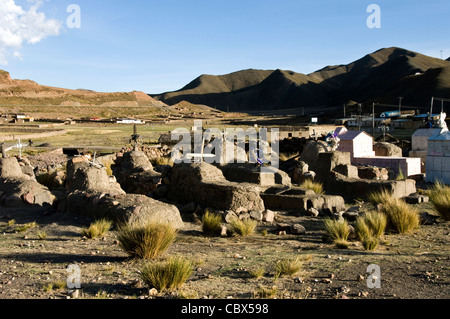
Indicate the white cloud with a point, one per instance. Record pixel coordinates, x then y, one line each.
19 26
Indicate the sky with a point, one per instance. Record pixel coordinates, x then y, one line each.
157 46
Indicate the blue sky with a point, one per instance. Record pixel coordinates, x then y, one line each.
157 46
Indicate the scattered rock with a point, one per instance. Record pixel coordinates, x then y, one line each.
297 229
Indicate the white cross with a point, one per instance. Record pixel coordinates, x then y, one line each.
19 145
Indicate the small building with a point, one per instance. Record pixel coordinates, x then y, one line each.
129 121
358 143
438 159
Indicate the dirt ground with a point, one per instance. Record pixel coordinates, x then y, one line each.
413 266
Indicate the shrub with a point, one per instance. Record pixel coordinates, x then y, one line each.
440 197
243 227
167 275
401 217
146 240
314 186
288 267
337 230
211 223
98 228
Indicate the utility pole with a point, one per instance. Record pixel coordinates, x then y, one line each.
441 55
400 104
373 119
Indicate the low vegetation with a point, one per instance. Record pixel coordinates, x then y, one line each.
244 227
168 275
314 186
440 197
371 224
211 223
97 229
288 267
147 240
380 197
401 217
337 231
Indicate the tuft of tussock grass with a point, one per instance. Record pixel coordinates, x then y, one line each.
380 197
440 197
371 224
244 227
337 229
370 243
168 275
161 161
26 227
288 267
341 243
211 223
42 235
57 285
257 272
266 292
314 186
98 228
11 222
401 217
147 240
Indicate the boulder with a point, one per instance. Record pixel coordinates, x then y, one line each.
387 149
19 189
83 176
206 185
121 208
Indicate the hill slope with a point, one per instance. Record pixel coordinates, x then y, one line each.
381 76
26 92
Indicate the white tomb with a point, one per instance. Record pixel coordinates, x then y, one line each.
438 159
419 143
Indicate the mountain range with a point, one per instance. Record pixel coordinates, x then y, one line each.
382 76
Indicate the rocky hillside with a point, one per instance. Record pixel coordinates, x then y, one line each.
382 76
26 92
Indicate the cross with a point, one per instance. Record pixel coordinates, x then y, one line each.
19 146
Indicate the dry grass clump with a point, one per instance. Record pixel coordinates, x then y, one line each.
98 228
380 197
26 227
314 186
211 223
440 197
337 230
257 272
371 224
266 292
244 227
401 217
288 267
168 275
146 240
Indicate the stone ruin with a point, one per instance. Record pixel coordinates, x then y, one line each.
91 192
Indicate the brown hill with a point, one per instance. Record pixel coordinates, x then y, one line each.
374 77
26 92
